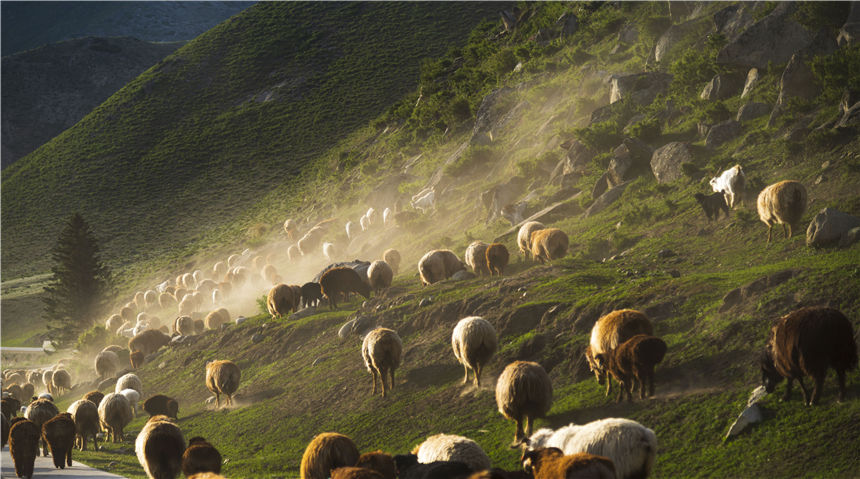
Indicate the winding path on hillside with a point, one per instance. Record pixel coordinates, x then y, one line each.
45 468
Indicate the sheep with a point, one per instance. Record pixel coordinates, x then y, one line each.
139 301
328 251
86 417
497 257
136 359
325 452
222 377
127 314
372 217
34 377
184 325
387 217
731 183
712 204
523 393
129 381
24 446
280 300
4 430
425 200
408 467
106 364
311 294
378 461
16 392
551 463
10 406
806 342
474 342
148 341
351 230
167 301
524 236
94 397
364 223
161 405
41 411
186 306
631 446
199 326
233 261
113 322
355 473
150 298
291 228
782 203
634 360
496 473
382 350
269 273
392 257
200 456
59 432
437 265
549 244
293 253
380 275
608 333
476 257
159 447
453 448
114 414
27 390
342 280
47 380
61 381
219 269
216 318
133 397
206 286
198 276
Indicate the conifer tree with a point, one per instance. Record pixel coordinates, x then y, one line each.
80 284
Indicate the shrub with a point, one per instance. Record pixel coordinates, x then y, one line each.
600 136
471 159
837 72
92 340
820 15
646 130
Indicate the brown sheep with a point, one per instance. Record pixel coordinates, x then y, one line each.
41 411
28 391
184 325
222 377
216 318
136 359
380 275
269 273
159 447
311 294
106 364
200 456
355 473
16 392
34 377
167 301
24 446
327 451
382 350
807 342
437 265
496 473
712 204
280 300
161 405
86 417
392 257
94 396
476 257
47 377
634 360
61 381
524 236
523 393
148 342
199 326
551 463
549 244
782 203
497 258
10 407
59 432
380 462
113 323
608 333
342 280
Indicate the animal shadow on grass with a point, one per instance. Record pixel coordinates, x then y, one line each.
433 375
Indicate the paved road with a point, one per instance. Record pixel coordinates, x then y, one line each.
45 468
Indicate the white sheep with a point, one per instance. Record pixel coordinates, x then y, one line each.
524 236
129 381
328 251
132 397
372 217
351 230
197 275
631 446
382 350
364 222
732 184
425 200
474 341
449 447
162 287
476 257
387 217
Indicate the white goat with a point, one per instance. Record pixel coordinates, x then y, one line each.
732 184
424 200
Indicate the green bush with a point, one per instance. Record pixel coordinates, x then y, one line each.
646 130
471 159
820 15
837 72
600 136
93 340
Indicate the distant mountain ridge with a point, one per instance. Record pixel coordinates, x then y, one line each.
48 89
28 25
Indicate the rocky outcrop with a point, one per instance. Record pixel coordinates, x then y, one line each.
641 87
731 21
630 158
610 196
722 132
751 82
722 86
673 36
751 111
831 227
848 33
797 81
774 39
666 161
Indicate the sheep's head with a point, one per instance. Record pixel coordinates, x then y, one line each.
531 460
770 377
596 365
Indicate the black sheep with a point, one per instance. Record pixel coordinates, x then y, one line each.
311 294
712 204
409 468
634 360
59 432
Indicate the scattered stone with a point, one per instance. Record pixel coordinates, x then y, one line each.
666 253
346 329
670 39
829 227
797 81
462 275
425 302
774 39
569 24
722 132
628 34
601 185
521 289
162 365
666 161
851 117
225 326
256 338
849 32
111 465
819 179
825 165
752 81
751 111
751 415
606 199
722 86
731 21
643 88
318 360
850 237
363 325
241 319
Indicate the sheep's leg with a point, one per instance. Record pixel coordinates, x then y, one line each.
69 457
840 376
816 389
529 424
518 435
788 384
373 374
769 231
608 384
787 231
478 369
44 448
805 391
391 382
465 374
217 400
95 443
650 383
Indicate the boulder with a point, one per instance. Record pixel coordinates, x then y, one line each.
851 117
722 86
829 227
641 87
731 21
679 10
606 199
773 39
797 81
752 80
568 24
628 34
617 109
490 112
848 33
751 111
618 170
670 39
575 161
722 132
462 275
666 161
600 186
629 158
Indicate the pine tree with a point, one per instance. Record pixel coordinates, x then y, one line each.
80 284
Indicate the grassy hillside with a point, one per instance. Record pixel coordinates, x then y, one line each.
194 141
652 249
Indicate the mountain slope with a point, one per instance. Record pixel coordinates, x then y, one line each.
28 25
48 89
194 140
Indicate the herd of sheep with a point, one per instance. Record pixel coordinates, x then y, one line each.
622 346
